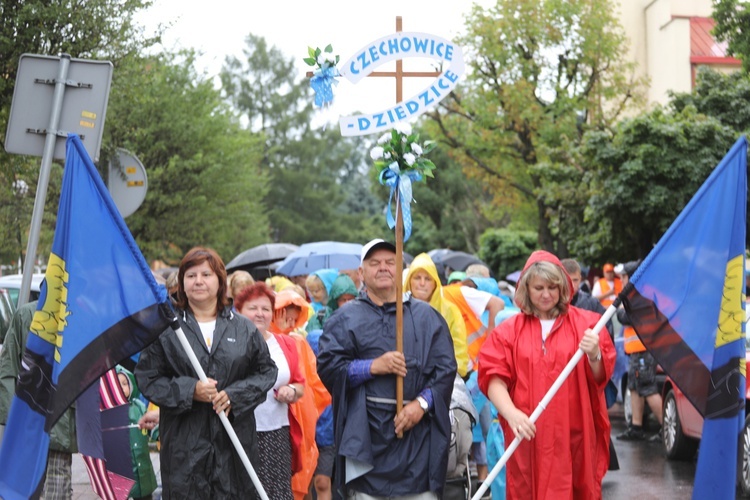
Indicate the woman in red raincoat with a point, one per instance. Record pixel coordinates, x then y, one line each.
565 454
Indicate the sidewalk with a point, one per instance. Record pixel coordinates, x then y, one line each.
82 486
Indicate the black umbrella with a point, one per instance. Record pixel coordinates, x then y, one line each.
260 273
436 255
458 261
261 255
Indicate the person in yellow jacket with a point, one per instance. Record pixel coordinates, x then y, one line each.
424 284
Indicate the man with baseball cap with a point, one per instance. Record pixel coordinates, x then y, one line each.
358 364
607 288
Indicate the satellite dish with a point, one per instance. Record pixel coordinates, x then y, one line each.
127 183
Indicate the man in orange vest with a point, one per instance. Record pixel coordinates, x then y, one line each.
641 373
607 288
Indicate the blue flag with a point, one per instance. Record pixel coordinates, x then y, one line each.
687 306
99 305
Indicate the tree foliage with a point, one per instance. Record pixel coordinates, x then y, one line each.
205 182
447 209
506 250
725 97
644 173
96 29
205 186
732 20
313 172
540 75
104 29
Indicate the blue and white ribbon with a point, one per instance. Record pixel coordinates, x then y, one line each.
394 179
322 83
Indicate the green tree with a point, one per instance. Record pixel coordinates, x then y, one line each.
644 173
98 29
643 176
540 75
104 29
205 182
310 170
732 19
448 210
725 97
506 250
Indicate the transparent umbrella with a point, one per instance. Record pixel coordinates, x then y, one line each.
311 257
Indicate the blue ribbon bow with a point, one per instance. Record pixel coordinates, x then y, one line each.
393 178
322 84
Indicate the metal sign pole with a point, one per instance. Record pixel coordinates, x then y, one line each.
44 173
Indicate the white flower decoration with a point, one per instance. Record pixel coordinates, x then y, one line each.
403 128
416 148
328 57
384 138
376 153
409 158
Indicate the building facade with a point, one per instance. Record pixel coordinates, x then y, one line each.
669 41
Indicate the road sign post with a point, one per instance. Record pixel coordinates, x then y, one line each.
39 100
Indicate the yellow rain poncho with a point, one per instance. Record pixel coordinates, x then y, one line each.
450 312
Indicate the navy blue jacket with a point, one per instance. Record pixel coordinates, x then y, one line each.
364 429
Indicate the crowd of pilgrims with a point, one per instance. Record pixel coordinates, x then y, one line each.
305 369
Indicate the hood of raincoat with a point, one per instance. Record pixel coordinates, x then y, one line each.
544 256
278 283
286 298
343 284
134 392
488 285
424 262
327 276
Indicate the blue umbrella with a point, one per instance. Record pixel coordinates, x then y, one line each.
311 257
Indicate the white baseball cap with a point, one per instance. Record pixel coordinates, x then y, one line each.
373 245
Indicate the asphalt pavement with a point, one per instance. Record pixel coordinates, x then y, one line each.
644 473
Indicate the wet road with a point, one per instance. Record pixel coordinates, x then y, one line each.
645 473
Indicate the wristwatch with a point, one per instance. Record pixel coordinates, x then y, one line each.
423 404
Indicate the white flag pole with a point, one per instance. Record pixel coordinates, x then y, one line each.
222 416
543 403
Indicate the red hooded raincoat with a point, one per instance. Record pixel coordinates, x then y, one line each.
570 453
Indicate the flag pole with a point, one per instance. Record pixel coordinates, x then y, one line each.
544 402
399 301
222 416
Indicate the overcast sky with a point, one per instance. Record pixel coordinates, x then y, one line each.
218 28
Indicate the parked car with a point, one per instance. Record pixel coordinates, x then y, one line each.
683 426
6 311
12 284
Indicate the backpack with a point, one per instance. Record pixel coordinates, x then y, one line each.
457 478
460 443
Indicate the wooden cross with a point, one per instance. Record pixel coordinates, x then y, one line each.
399 74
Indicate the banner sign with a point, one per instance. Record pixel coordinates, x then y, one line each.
393 47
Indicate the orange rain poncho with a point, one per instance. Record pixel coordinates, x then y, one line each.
309 407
